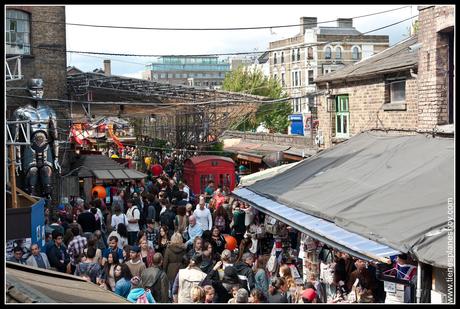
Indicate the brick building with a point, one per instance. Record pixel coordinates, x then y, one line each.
317 50
41 47
407 87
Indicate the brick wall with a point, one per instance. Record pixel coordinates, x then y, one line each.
365 100
433 65
46 64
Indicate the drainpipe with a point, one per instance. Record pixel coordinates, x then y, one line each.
419 282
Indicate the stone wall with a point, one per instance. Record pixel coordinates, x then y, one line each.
272 138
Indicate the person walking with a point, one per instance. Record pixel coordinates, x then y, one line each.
135 264
138 294
277 291
174 253
245 273
133 216
37 258
260 276
189 278
76 247
118 217
18 254
89 268
203 215
156 280
193 230
57 254
108 272
113 248
122 280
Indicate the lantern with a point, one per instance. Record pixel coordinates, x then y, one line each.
101 193
156 170
230 242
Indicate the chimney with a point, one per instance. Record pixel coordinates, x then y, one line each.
107 68
345 22
307 23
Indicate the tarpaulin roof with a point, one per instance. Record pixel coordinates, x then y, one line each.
32 284
103 167
392 189
270 172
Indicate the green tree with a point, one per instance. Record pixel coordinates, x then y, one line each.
273 116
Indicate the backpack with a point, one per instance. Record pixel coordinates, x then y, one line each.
167 218
143 298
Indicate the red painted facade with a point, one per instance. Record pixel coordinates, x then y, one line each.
199 170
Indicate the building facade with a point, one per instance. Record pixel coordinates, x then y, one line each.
408 87
315 51
208 72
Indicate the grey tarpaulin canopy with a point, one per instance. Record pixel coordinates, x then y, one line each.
102 167
392 189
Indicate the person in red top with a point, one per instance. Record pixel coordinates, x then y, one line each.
219 197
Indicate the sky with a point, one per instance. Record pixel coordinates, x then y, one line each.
158 42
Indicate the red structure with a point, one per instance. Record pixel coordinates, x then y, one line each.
199 170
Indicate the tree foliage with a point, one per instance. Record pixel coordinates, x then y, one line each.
273 116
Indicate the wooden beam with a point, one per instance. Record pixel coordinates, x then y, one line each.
14 197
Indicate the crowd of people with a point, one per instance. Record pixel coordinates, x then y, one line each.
154 243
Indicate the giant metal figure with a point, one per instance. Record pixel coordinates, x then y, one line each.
37 160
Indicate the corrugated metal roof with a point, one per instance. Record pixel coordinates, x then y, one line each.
320 229
396 58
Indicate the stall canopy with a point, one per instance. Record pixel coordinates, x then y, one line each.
31 284
391 189
270 172
103 167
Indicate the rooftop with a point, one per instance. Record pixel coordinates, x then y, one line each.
396 58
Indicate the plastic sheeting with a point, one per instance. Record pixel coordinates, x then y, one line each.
392 189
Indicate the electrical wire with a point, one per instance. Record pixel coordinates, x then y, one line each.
215 28
215 54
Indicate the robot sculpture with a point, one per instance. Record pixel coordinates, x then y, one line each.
37 160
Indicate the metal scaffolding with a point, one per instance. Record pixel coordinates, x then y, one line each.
181 115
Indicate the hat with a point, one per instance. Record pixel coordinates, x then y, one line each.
135 248
149 221
309 294
242 296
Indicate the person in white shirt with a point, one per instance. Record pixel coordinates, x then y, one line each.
203 215
118 217
133 215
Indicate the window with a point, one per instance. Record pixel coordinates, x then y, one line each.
295 79
283 81
310 53
170 75
328 53
293 55
398 91
17 33
163 75
355 53
338 53
282 57
274 58
275 76
298 54
297 105
342 116
311 77
155 76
